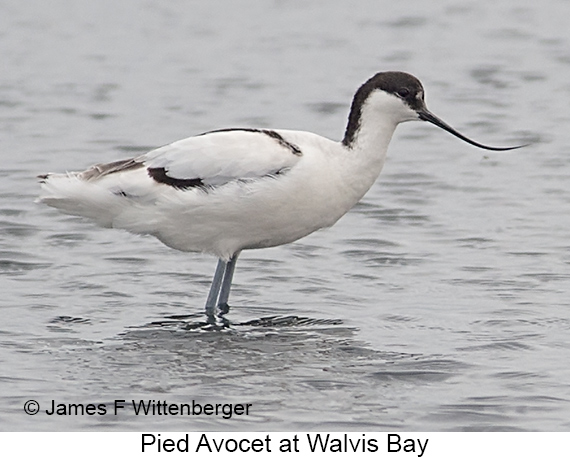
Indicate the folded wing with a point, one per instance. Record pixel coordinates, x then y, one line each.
216 158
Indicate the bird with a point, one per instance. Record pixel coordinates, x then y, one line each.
225 191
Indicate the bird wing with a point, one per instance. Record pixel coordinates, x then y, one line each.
106 192
216 158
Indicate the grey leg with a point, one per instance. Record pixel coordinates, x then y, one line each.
215 288
227 284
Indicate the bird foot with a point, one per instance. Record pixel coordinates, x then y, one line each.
223 308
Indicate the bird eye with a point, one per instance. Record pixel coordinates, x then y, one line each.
403 92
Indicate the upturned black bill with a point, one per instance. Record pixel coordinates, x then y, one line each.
425 115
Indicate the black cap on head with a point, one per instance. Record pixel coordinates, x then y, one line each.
410 90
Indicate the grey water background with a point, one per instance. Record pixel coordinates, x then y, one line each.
441 302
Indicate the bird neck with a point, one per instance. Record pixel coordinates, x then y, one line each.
368 132
366 141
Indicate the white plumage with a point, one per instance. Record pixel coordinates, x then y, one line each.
256 193
225 191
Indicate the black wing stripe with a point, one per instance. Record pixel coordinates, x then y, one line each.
160 176
272 133
283 142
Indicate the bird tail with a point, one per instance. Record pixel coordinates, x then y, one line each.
72 194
